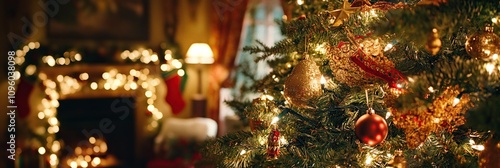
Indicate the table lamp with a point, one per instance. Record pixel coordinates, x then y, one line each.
199 54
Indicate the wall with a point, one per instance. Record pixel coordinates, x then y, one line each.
193 26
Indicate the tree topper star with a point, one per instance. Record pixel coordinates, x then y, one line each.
343 13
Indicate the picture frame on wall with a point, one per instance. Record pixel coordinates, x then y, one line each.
101 20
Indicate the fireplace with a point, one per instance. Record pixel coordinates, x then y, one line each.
105 120
103 111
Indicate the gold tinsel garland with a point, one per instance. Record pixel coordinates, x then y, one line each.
445 113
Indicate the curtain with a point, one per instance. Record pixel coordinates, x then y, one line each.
227 19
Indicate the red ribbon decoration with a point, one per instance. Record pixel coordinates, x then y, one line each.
393 76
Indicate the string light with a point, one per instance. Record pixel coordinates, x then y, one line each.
41 150
300 2
478 147
368 160
243 151
388 47
489 67
275 120
387 115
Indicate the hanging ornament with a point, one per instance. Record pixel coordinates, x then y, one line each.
366 64
445 113
398 161
483 44
273 143
371 129
343 13
490 156
433 44
303 83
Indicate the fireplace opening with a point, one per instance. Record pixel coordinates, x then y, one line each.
98 131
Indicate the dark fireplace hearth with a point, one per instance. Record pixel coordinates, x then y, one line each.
88 122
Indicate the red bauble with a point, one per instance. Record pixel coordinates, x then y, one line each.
371 129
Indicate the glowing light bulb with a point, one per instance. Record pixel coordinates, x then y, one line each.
388 47
243 152
41 150
489 67
84 76
368 160
181 72
92 140
300 2
478 147
431 89
96 161
387 115
322 80
275 120
93 85
456 101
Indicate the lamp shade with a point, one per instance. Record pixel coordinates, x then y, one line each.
199 53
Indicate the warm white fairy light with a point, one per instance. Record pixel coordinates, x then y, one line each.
243 151
489 67
268 97
181 72
73 164
164 67
368 160
388 47
30 70
456 100
84 164
388 114
96 161
300 2
56 146
84 76
494 20
275 120
472 142
41 150
78 57
478 147
431 89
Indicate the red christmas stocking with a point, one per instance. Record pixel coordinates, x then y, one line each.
174 94
23 92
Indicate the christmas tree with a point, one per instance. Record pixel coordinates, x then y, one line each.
374 84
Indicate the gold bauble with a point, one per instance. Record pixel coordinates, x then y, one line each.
433 44
483 44
303 84
398 161
490 156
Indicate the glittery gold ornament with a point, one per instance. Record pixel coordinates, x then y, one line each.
343 13
490 156
483 44
303 84
433 44
444 114
398 161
